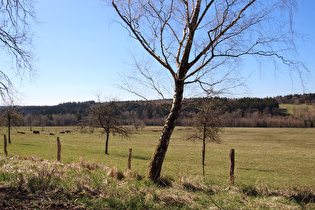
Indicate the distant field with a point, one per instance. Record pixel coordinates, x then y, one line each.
297 109
275 156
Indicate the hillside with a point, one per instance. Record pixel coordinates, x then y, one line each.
280 111
297 109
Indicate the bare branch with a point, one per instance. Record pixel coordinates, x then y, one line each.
132 25
16 37
149 80
216 38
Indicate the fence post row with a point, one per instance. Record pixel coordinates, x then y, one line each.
232 157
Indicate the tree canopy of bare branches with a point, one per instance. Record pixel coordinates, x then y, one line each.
107 116
199 41
16 36
208 124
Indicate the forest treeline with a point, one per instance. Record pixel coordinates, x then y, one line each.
242 112
308 99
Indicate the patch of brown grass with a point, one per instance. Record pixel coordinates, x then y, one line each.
115 173
133 175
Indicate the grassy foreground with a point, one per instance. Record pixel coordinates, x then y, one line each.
274 169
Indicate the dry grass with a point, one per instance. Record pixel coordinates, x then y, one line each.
115 173
86 184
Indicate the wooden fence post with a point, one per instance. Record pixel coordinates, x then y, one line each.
232 159
129 159
5 145
59 150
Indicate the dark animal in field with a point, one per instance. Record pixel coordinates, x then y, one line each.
36 132
21 132
51 134
62 132
68 131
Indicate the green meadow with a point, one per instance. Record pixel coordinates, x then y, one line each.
269 163
297 109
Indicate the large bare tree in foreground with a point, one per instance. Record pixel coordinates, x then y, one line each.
16 17
196 40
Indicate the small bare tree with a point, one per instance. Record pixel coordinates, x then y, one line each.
208 124
200 41
108 117
11 117
16 17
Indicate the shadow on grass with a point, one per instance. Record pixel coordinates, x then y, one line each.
165 182
255 169
140 157
133 157
301 196
24 144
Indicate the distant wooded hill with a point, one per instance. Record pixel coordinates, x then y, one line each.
148 110
248 112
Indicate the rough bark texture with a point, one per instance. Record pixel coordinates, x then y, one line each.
158 156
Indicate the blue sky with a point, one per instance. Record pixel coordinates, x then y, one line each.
81 51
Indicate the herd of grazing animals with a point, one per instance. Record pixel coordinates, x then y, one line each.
38 132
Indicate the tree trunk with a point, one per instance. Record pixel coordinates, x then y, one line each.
155 167
106 144
58 150
9 128
232 159
204 148
129 159
5 145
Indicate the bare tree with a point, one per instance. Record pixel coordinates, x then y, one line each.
108 117
29 119
11 117
16 17
199 41
208 124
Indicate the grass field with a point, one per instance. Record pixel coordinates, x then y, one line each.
267 160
